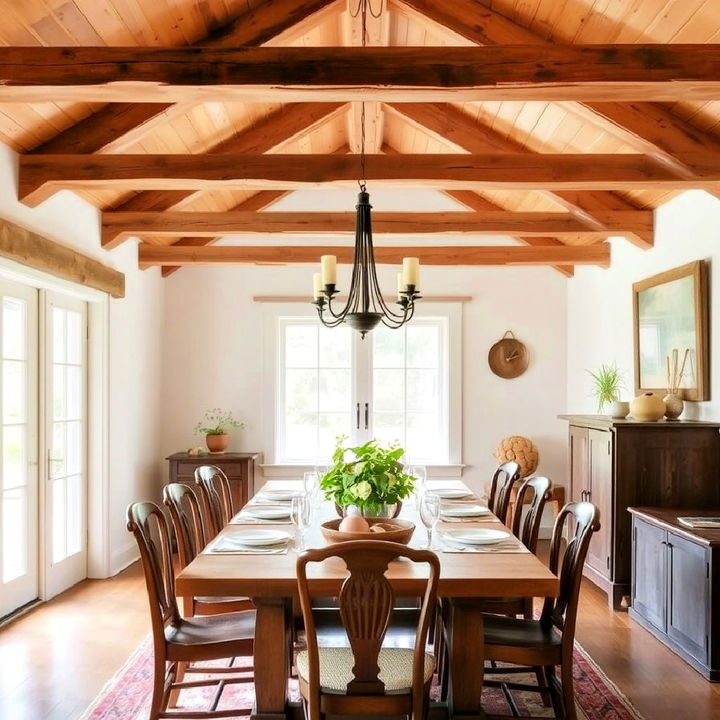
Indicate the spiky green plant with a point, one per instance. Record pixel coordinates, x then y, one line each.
607 382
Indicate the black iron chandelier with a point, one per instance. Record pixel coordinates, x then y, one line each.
365 307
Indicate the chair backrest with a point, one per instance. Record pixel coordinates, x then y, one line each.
149 525
366 603
526 526
215 489
562 610
503 480
187 520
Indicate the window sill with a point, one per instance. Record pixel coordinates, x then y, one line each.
296 470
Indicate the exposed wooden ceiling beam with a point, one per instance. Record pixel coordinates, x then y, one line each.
118 125
493 222
597 254
42 175
452 126
650 128
561 72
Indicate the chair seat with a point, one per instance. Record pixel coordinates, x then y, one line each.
336 668
214 600
211 630
501 630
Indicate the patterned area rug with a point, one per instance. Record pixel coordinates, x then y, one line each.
127 695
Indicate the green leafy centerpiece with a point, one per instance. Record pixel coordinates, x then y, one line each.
369 476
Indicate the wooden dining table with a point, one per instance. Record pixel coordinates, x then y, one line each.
270 581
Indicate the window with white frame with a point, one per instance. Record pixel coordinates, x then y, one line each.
396 385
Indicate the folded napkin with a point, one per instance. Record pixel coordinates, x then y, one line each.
505 546
243 518
231 546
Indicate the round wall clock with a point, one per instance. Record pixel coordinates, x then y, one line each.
508 357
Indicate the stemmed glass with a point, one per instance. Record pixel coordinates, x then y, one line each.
300 514
429 514
311 482
420 475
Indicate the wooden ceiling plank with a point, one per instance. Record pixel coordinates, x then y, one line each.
117 125
40 176
648 127
597 254
569 72
455 126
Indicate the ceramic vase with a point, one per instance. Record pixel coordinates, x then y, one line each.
217 444
647 407
619 409
674 406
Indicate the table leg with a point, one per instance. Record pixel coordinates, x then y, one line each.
466 654
272 658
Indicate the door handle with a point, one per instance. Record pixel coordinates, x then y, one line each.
367 415
357 417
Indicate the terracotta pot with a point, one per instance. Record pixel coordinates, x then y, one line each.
217 443
674 406
647 407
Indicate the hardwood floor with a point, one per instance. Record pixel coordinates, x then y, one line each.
55 659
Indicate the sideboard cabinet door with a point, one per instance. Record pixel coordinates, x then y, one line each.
649 577
688 596
601 491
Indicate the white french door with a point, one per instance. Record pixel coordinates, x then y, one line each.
65 502
19 442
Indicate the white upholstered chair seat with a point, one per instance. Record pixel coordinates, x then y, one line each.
336 666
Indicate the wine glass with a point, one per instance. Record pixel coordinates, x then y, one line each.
420 474
300 514
311 482
430 514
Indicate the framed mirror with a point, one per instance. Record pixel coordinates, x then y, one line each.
670 320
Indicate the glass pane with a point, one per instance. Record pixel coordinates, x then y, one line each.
58 520
388 348
13 324
332 426
301 387
74 337
58 393
423 344
57 451
74 392
335 390
74 507
422 390
58 330
389 427
74 447
422 435
13 456
13 388
301 346
389 390
14 519
301 435
335 347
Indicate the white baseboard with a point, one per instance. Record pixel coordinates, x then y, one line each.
122 557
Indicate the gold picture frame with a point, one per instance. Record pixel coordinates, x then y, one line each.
670 328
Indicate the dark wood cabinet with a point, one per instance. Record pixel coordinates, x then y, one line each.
239 467
675 585
619 463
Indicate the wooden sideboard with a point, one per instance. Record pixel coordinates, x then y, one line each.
620 463
239 467
676 584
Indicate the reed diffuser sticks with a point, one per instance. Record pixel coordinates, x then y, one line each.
674 373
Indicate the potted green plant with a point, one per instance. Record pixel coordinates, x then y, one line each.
369 476
607 382
214 425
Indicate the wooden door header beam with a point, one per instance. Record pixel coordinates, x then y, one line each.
43 175
391 74
494 222
597 254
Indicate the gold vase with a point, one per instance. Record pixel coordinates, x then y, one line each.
647 407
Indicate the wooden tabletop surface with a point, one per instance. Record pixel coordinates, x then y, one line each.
462 574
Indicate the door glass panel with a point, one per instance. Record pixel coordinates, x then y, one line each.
14 385
13 456
14 557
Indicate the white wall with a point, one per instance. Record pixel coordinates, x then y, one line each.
600 322
135 322
214 350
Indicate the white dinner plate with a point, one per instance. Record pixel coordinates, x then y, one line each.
267 512
463 510
450 493
251 538
477 536
278 494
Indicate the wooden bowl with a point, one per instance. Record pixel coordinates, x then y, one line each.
396 530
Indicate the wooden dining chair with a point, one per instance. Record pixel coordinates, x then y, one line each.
178 642
366 678
503 480
191 535
541 645
217 496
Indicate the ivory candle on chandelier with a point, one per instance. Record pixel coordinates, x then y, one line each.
317 286
328 268
411 271
400 286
